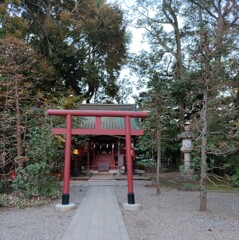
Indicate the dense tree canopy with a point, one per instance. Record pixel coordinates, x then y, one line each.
84 42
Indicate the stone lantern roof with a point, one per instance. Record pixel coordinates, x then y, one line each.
186 134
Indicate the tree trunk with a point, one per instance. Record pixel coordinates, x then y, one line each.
172 18
158 167
203 189
205 69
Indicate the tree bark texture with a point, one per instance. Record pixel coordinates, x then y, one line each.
205 75
158 154
203 189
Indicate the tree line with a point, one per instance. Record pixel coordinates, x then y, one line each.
192 77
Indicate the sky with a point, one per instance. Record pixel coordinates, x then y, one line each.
136 44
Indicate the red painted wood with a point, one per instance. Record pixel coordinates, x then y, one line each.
77 131
136 114
98 123
128 154
67 163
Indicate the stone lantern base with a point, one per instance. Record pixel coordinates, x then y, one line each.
186 175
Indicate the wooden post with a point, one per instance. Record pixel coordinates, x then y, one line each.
118 154
131 199
67 163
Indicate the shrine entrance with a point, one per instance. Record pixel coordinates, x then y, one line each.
98 153
98 129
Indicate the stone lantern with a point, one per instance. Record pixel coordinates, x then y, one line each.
187 147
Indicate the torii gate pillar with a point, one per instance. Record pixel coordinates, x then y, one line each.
67 162
131 199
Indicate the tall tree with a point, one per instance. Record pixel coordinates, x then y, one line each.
84 41
214 43
17 60
161 21
158 100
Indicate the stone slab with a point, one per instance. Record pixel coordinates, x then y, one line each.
98 217
65 208
131 207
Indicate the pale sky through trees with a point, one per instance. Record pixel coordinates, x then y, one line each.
136 42
135 46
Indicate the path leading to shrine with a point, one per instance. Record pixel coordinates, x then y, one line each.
99 215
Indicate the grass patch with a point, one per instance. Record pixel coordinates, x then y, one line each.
216 183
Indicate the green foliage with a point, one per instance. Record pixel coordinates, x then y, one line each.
146 164
231 167
235 177
5 184
42 146
196 161
208 58
35 180
10 21
68 100
84 43
158 103
43 152
17 61
4 200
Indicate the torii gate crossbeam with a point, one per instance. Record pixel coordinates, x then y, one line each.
68 132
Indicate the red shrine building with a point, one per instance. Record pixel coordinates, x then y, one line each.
104 153
110 129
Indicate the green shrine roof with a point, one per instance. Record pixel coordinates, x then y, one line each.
108 122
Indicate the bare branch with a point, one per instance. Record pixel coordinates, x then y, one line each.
161 42
204 8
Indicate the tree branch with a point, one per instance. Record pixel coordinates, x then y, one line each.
204 8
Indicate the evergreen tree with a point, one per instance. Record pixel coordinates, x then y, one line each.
84 41
213 49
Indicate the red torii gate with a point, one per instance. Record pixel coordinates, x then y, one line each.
68 131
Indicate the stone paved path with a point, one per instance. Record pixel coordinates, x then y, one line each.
98 217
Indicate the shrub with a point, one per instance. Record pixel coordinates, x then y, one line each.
36 180
235 178
146 164
43 147
4 199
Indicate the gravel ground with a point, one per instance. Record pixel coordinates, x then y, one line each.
39 223
172 215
